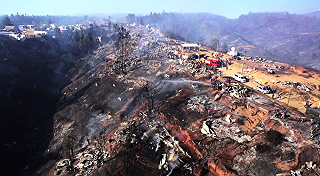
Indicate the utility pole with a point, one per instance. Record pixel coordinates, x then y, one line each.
245 57
289 97
217 46
242 67
199 44
294 86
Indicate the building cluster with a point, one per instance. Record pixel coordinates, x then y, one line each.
21 32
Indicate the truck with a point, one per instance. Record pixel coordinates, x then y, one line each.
239 77
210 62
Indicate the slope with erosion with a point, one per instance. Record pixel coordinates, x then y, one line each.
161 119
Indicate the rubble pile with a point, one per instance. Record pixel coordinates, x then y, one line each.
278 113
173 155
273 68
219 129
315 134
237 90
293 84
306 169
200 103
256 59
187 127
85 162
245 160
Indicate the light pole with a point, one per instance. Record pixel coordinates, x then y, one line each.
245 58
294 86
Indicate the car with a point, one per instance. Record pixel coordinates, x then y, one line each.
239 77
313 112
263 89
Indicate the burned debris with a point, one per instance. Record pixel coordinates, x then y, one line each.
165 112
83 162
293 84
173 155
201 104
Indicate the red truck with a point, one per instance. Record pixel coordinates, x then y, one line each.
211 62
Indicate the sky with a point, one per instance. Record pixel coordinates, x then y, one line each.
228 8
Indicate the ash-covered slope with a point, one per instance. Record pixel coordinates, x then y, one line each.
158 118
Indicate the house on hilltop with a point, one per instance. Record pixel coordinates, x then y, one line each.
22 27
233 52
30 26
13 35
10 28
190 47
63 28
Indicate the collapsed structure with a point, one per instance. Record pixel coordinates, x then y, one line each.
180 123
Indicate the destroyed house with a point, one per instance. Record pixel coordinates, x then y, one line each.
190 46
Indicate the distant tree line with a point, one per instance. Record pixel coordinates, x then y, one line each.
7 22
40 20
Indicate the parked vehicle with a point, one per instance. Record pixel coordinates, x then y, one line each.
211 62
263 89
239 77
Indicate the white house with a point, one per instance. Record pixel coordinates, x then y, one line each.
40 32
233 52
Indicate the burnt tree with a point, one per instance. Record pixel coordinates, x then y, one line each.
150 92
124 45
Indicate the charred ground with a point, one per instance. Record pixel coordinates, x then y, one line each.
32 74
126 114
152 119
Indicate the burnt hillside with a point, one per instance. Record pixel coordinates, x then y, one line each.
31 76
157 114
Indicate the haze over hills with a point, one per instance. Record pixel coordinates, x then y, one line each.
313 14
281 36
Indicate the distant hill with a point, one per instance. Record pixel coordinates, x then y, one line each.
313 14
284 37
